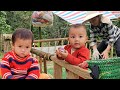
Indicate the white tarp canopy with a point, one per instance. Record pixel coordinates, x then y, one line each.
74 17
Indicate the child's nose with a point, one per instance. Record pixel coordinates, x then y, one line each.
23 49
76 38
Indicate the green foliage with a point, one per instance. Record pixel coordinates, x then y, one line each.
19 19
117 23
4 27
58 30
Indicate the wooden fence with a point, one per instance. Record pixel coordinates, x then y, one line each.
46 43
5 42
73 71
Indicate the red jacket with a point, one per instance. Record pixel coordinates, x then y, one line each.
77 57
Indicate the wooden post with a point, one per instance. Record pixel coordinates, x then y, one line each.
45 65
62 43
43 55
57 71
111 52
40 61
7 45
55 45
75 71
48 47
40 36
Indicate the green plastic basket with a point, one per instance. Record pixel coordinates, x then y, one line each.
108 68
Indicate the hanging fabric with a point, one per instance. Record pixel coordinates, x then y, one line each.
42 18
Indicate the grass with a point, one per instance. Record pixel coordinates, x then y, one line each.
50 69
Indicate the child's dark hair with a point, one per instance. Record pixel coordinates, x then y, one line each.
22 33
77 25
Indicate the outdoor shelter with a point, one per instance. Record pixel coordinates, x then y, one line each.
74 17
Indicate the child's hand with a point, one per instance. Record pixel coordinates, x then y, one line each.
61 53
61 49
83 65
58 53
64 54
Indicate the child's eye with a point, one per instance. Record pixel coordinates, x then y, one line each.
19 46
81 36
27 47
72 36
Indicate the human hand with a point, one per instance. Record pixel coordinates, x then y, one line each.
61 53
58 54
61 49
105 54
64 54
83 65
96 54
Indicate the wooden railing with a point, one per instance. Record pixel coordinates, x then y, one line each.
43 57
73 71
47 43
55 42
62 40
5 42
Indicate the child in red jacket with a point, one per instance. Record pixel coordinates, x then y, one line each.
18 63
76 52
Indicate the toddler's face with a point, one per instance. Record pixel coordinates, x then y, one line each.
22 47
77 37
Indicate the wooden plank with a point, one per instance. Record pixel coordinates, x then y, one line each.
57 71
50 49
71 75
75 69
45 65
40 62
49 40
40 53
